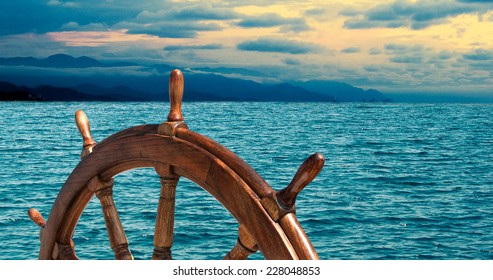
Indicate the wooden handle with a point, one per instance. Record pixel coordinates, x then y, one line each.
176 85
305 174
36 217
116 234
245 246
84 128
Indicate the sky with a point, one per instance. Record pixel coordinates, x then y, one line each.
438 46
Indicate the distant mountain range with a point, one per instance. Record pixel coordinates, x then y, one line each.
201 84
11 92
60 61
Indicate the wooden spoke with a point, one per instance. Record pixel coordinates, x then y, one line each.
165 219
63 251
176 85
245 246
175 117
85 131
266 217
281 203
116 234
38 219
298 238
305 174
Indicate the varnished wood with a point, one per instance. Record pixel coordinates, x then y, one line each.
136 130
232 160
116 234
245 246
274 207
64 251
192 162
297 236
305 174
266 223
283 202
36 217
170 128
74 210
176 85
163 233
85 131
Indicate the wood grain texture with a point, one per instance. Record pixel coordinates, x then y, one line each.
64 251
238 252
308 170
36 217
131 131
267 220
298 238
245 246
176 85
116 234
84 127
233 161
170 128
275 208
190 161
74 210
165 218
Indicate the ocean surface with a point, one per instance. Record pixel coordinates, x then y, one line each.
401 181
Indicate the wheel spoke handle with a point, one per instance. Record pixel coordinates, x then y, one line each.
305 174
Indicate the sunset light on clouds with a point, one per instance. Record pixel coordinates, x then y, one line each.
392 46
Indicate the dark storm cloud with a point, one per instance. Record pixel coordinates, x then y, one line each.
193 12
74 26
407 59
351 50
414 15
479 55
168 29
398 48
291 61
154 17
184 21
279 45
407 54
274 20
193 47
202 13
35 16
315 12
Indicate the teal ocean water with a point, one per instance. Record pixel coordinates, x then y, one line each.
401 181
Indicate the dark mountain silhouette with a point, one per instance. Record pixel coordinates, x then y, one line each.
199 84
245 90
341 91
11 92
60 61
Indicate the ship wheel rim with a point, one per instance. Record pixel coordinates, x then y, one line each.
142 146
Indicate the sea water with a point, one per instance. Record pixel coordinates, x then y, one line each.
401 181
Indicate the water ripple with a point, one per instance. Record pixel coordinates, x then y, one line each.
400 182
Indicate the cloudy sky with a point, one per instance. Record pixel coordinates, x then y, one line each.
390 45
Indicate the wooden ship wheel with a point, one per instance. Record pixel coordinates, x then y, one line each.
267 220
